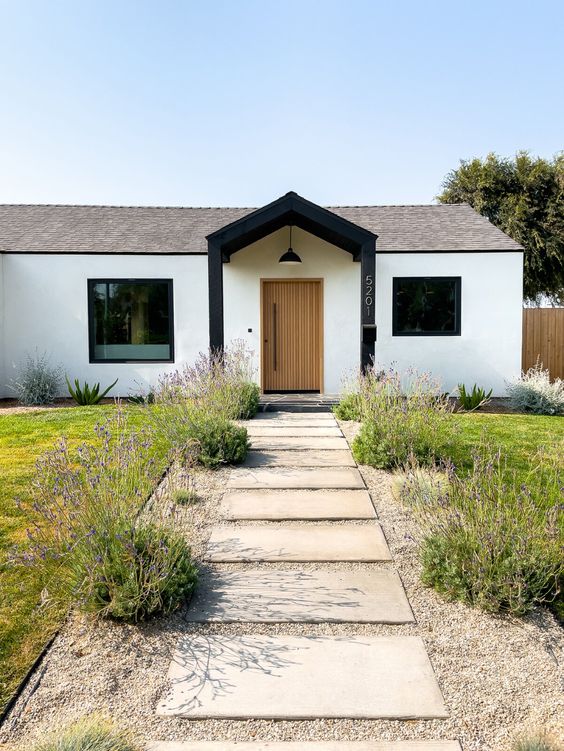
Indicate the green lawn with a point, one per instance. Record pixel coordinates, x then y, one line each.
520 437
24 625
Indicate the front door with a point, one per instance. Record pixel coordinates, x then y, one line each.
292 334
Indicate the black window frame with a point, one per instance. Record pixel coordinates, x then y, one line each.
91 283
457 304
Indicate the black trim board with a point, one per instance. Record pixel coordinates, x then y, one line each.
91 333
290 209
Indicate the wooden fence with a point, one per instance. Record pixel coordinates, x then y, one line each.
543 338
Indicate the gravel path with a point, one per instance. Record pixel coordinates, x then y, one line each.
499 676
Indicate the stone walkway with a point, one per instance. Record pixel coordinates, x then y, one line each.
300 498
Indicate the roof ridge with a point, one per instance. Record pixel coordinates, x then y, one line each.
117 206
218 208
396 205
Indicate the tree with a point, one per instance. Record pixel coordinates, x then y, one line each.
524 197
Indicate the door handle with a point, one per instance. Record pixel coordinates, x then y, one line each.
274 335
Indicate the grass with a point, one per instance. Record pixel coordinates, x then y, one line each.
519 436
88 734
25 626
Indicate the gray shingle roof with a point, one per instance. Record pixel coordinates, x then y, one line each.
138 229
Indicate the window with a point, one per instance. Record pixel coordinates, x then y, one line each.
130 320
426 306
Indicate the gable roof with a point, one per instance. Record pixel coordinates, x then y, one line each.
147 229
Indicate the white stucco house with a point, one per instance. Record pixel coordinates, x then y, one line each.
129 292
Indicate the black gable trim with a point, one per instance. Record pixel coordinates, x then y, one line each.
290 209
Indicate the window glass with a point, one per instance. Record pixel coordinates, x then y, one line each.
426 306
130 320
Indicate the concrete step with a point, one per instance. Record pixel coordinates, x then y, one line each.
300 677
258 595
299 542
292 479
282 505
285 431
296 442
310 458
295 418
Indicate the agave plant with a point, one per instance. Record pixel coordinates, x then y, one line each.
471 400
86 395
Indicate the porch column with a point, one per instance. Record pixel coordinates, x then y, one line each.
367 297
215 291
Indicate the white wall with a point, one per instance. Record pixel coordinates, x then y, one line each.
489 349
2 356
44 299
45 304
341 295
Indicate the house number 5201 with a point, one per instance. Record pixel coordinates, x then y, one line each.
369 291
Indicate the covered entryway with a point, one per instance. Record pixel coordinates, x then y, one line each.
295 361
292 335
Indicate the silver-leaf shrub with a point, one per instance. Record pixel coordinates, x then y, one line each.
534 392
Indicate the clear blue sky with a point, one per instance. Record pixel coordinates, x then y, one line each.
235 102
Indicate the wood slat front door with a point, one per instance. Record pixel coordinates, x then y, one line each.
292 334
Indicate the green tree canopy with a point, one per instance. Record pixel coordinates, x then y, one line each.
524 197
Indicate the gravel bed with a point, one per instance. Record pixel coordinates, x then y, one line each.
499 676
13 406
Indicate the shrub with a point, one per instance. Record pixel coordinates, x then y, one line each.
249 400
402 422
349 407
472 400
218 441
37 382
533 392
86 541
194 406
220 382
86 395
540 742
491 541
88 734
144 571
142 399
419 486
184 496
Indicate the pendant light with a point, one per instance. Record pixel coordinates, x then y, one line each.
289 257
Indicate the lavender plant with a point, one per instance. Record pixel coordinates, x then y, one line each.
402 417
86 539
194 407
419 486
489 540
37 381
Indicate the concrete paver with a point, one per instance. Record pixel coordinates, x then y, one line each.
298 542
317 458
258 595
281 505
302 677
289 478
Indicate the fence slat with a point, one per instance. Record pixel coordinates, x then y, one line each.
543 339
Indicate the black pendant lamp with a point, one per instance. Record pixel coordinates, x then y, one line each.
289 257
